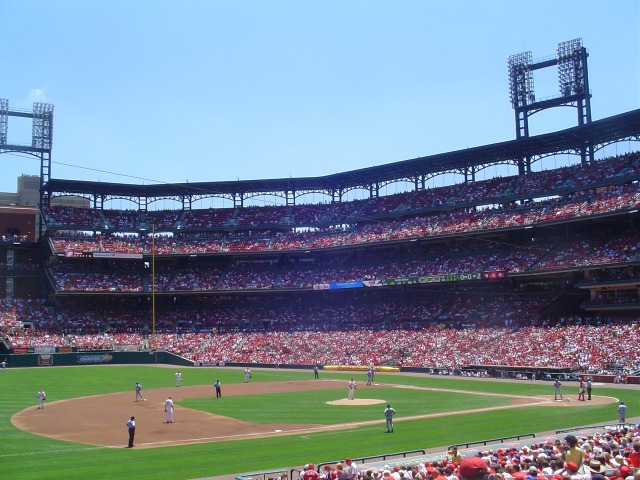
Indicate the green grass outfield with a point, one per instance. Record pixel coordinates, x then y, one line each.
25 456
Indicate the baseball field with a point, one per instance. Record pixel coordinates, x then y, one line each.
280 418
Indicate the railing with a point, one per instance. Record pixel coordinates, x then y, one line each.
382 457
295 472
496 440
602 427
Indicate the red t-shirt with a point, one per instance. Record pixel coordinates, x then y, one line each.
310 475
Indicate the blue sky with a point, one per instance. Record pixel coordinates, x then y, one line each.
169 91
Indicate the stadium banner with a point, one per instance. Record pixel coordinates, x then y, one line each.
131 256
41 350
74 254
494 274
97 358
45 360
333 286
65 349
448 277
338 285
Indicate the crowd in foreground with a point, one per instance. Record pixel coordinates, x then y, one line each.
609 455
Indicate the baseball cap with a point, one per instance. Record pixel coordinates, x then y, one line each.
571 466
624 471
473 467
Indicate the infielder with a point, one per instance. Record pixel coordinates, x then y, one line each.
352 389
168 408
41 398
139 392
389 412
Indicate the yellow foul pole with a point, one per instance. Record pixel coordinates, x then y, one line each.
153 293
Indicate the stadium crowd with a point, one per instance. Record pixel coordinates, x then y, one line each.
448 333
535 198
587 249
612 199
612 454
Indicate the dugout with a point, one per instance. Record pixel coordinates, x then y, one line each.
520 372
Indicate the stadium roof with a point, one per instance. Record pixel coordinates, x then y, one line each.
600 132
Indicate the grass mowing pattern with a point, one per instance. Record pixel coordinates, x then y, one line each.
312 407
26 456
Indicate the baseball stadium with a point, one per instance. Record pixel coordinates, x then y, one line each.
459 306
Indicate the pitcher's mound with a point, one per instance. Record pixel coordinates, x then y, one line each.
357 401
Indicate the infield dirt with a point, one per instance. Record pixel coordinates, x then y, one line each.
100 420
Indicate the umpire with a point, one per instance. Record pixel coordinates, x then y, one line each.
131 425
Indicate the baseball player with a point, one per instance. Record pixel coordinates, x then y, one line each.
622 412
139 392
389 412
178 378
556 389
352 389
168 408
41 398
247 375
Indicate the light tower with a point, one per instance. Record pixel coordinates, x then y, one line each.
573 81
41 138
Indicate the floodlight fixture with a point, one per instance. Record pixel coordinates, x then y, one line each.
571 67
521 90
42 127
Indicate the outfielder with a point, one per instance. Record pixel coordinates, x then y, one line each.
622 412
178 378
389 412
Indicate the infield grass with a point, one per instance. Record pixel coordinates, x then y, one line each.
26 456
